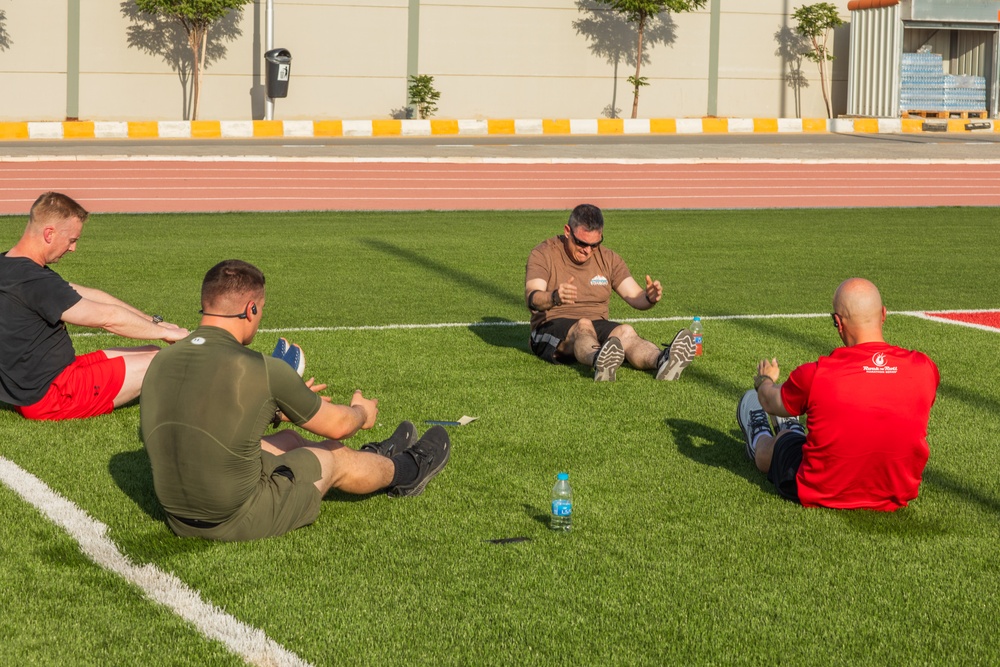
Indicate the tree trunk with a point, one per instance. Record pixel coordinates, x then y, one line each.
196 40
638 65
201 63
821 51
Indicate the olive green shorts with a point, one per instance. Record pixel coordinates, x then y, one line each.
285 498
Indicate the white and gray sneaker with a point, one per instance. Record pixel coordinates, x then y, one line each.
752 418
608 360
779 424
675 358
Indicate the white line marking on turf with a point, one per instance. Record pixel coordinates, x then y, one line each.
945 320
250 643
924 314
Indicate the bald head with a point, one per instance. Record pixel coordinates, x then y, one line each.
859 305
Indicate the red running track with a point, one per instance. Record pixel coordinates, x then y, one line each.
180 186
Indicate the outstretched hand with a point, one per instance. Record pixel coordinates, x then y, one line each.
567 291
173 333
654 291
769 369
316 388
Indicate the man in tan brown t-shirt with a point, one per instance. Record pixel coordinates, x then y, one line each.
567 286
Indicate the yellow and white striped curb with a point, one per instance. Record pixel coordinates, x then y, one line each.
242 129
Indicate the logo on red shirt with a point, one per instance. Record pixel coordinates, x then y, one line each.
880 367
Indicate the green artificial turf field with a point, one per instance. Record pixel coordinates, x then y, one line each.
681 553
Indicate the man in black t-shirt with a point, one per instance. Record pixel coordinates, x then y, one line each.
40 374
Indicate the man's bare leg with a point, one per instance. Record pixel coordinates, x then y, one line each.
639 352
342 468
137 361
582 341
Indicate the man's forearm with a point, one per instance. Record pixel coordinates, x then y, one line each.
337 422
769 395
103 297
133 324
640 302
543 300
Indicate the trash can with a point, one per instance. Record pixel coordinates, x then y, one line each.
279 66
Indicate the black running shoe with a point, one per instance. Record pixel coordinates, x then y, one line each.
431 453
398 442
609 358
676 357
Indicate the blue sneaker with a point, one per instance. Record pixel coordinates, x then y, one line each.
291 354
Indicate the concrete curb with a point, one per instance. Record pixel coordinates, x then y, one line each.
242 129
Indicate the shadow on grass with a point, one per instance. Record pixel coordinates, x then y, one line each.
335 495
901 523
501 332
460 278
536 514
946 482
971 398
712 447
133 475
722 386
820 345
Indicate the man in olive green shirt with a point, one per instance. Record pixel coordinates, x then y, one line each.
206 402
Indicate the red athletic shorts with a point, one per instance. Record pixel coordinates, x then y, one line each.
85 388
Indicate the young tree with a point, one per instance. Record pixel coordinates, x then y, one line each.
815 23
641 12
197 17
423 95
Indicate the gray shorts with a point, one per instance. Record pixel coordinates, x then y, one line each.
285 498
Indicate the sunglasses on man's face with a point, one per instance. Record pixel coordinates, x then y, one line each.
584 244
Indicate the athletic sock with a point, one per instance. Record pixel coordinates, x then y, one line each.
753 445
405 471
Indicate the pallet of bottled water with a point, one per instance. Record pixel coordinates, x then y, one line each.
964 93
922 85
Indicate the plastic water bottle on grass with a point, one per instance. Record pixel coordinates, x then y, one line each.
562 503
697 331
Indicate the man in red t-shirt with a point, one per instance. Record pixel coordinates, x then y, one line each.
867 407
567 286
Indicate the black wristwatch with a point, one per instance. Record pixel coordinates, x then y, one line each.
157 319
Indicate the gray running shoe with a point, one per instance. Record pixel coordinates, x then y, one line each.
431 453
752 420
609 358
675 358
779 424
398 442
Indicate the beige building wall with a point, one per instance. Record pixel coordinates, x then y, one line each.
489 59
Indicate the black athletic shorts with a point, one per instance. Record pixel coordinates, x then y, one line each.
785 462
546 339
